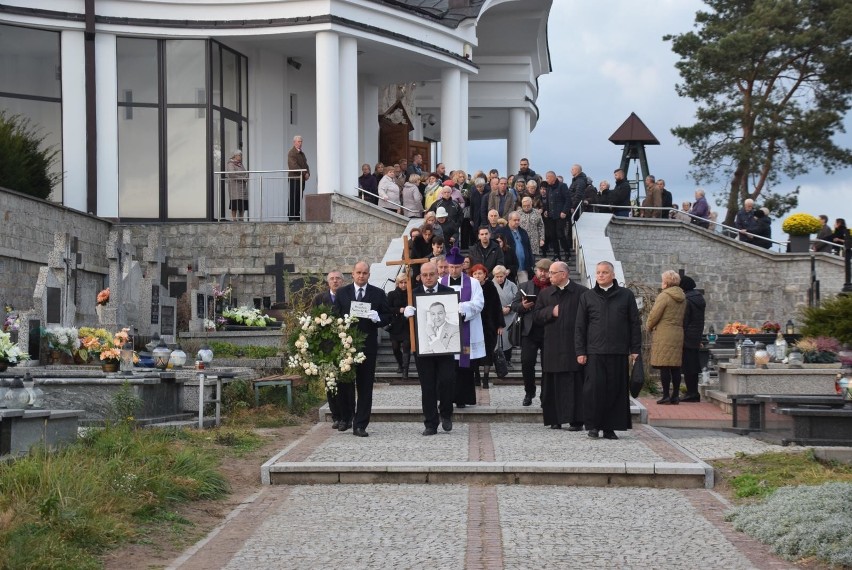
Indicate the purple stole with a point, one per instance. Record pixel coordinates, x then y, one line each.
464 357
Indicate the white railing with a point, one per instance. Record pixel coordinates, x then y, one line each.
400 206
268 194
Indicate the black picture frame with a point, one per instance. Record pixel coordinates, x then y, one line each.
448 338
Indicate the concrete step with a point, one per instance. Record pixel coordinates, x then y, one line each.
488 454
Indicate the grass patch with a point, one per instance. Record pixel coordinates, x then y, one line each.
236 440
230 350
61 509
758 476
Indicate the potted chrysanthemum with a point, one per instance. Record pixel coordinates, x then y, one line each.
800 226
10 353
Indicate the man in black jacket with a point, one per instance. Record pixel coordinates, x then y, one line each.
436 372
378 316
607 339
557 215
486 251
532 335
693 331
620 195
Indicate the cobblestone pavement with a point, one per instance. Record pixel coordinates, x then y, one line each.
473 527
386 396
717 444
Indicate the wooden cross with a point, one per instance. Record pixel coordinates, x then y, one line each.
277 270
408 262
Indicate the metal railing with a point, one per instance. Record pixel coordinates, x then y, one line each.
268 193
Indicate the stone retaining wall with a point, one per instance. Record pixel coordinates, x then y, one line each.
741 282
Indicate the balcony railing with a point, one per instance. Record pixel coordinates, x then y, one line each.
268 194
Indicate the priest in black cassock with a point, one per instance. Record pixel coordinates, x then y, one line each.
607 339
562 383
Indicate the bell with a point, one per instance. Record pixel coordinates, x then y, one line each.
161 355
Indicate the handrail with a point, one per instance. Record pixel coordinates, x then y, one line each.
388 201
264 191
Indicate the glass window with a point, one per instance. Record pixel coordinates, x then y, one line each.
46 121
230 77
244 86
216 74
185 72
137 70
139 164
186 150
29 62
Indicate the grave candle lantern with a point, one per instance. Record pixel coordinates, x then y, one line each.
205 355
161 355
126 356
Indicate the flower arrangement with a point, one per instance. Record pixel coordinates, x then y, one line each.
63 339
326 348
11 322
770 327
818 350
10 353
216 324
92 341
739 328
103 297
221 293
801 224
247 317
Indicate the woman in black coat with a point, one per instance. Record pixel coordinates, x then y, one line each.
367 181
398 327
839 235
492 318
510 258
693 330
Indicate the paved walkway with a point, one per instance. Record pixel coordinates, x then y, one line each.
466 523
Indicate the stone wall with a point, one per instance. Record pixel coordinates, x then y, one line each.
741 282
27 238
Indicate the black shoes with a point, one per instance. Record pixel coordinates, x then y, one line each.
593 433
399 368
335 424
575 428
691 398
360 432
609 434
674 401
430 431
460 405
344 426
447 424
665 400
556 426
527 401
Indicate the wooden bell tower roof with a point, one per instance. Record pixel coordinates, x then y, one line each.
633 130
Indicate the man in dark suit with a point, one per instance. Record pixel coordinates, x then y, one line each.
378 316
532 335
436 372
334 280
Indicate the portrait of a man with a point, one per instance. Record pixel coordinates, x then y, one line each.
437 324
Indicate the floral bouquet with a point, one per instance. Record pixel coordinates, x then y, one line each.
739 328
92 342
10 353
770 327
103 297
325 347
819 350
801 224
247 317
11 322
63 339
221 293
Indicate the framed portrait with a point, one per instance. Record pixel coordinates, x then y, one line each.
437 323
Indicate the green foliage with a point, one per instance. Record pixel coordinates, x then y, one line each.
61 509
803 522
237 395
25 161
125 405
833 318
230 350
773 80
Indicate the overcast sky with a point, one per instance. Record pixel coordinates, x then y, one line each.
609 60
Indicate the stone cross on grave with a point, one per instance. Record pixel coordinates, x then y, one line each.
277 270
407 261
73 259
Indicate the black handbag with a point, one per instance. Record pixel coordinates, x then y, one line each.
501 367
637 377
515 332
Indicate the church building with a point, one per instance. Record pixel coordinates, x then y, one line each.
145 100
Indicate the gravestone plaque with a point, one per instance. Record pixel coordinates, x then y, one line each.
54 305
155 304
200 306
177 288
34 340
168 325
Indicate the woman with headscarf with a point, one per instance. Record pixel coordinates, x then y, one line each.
237 185
666 325
693 330
507 291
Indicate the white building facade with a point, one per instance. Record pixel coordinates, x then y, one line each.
145 100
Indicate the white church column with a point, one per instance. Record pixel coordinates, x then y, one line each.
451 118
107 119
349 167
517 146
463 123
368 122
73 120
327 169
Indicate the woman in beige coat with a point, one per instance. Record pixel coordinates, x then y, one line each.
666 325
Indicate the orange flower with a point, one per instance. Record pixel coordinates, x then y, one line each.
103 297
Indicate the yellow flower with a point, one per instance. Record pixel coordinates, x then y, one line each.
801 224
